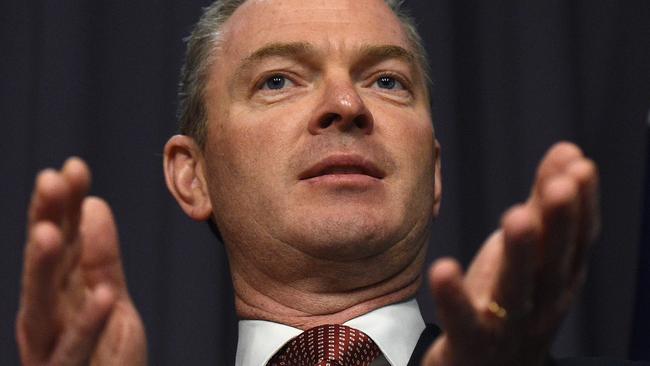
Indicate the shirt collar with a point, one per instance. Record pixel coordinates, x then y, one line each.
395 328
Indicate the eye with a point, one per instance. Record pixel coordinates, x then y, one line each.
388 82
276 82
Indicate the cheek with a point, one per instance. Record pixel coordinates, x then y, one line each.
409 138
250 149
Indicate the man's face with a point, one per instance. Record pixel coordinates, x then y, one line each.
319 131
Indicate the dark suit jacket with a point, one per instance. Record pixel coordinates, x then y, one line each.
431 332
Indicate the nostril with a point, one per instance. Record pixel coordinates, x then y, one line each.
329 119
361 122
342 122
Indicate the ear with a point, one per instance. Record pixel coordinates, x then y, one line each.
185 178
437 188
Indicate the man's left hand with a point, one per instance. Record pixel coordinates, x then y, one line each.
507 307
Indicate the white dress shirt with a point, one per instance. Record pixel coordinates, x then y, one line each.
395 328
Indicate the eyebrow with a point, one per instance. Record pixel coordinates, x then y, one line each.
293 50
382 52
304 50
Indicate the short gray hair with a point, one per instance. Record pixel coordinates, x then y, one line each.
201 53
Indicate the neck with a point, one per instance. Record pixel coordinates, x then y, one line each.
325 291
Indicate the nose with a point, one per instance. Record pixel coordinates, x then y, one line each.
341 109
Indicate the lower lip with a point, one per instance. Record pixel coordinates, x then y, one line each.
344 180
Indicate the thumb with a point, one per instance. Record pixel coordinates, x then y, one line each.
100 260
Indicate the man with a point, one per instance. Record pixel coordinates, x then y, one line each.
307 141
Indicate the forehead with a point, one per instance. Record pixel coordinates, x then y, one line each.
333 25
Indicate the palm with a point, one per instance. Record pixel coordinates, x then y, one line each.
122 342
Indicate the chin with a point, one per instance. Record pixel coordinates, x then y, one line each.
345 235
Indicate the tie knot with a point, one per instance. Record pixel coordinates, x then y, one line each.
327 345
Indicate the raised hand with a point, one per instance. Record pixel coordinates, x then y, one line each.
506 308
74 304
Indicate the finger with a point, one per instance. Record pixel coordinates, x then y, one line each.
79 339
584 173
555 163
56 198
559 208
560 215
35 326
55 192
521 234
100 255
77 177
456 312
48 198
44 257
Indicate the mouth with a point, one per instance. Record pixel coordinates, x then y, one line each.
341 165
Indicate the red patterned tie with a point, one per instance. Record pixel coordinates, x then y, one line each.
327 345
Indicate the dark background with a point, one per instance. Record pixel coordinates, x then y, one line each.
98 79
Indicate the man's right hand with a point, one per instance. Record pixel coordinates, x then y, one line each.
74 305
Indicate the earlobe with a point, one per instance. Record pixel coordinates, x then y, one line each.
185 177
437 188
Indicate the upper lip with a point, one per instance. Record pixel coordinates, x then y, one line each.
343 164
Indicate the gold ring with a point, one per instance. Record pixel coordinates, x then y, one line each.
497 310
